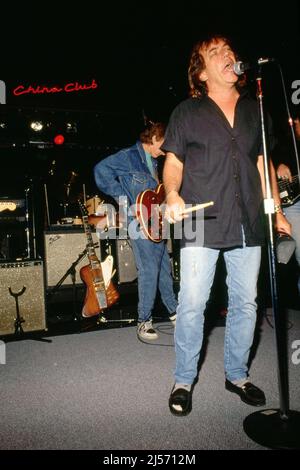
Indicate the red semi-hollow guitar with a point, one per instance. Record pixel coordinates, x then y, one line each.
149 212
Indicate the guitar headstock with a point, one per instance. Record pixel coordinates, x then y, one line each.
83 209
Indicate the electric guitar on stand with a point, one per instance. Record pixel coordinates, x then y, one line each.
101 292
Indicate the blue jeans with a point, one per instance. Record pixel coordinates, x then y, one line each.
154 271
293 215
198 266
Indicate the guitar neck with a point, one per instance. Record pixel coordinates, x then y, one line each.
90 242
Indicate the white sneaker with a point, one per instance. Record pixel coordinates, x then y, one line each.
145 330
172 318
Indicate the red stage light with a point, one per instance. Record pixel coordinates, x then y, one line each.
59 139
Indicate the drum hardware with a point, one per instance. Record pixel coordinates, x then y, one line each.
66 221
77 220
71 180
47 204
27 229
92 204
84 193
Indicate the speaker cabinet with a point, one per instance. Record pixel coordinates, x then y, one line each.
14 277
62 248
125 261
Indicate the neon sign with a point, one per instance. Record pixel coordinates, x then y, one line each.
43 90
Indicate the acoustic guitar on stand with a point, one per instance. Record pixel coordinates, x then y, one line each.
149 212
100 290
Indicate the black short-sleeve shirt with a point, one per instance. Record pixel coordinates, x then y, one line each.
220 165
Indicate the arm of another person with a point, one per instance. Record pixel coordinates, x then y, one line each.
281 223
172 179
283 171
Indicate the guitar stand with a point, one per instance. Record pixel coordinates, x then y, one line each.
19 332
72 272
103 319
19 320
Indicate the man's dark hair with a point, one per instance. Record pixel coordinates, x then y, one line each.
198 88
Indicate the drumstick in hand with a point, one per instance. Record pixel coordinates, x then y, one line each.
197 207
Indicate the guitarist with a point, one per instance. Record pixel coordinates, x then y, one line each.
284 156
127 173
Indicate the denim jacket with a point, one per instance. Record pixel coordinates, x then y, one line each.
125 173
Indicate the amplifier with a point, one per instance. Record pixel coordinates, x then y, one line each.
62 248
126 268
15 277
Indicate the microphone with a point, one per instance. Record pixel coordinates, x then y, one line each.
240 67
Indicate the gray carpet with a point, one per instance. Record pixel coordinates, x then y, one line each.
106 390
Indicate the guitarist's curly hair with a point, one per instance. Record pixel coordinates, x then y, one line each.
156 129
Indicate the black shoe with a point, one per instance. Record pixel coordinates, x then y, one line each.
182 398
249 393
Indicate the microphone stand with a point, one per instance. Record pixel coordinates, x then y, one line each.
274 428
27 230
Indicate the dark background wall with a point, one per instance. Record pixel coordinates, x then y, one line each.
138 51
